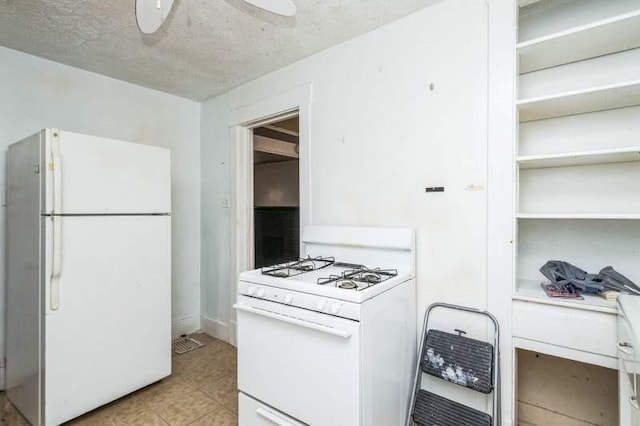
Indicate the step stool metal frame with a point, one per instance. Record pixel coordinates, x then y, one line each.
496 416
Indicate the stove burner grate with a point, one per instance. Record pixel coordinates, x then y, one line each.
297 267
359 278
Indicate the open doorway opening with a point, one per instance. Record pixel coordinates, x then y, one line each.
276 190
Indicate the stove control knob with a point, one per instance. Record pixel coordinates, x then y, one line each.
288 298
251 290
320 304
335 308
260 292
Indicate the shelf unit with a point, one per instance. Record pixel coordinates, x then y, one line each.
577 189
548 184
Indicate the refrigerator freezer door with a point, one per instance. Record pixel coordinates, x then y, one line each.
111 333
92 175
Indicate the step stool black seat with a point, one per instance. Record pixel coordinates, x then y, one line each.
461 360
434 410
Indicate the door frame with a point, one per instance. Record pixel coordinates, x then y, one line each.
242 121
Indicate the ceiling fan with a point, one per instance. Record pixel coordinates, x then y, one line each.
150 14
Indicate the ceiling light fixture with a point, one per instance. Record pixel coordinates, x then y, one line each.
279 7
151 14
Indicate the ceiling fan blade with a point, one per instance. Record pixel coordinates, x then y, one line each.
279 7
150 14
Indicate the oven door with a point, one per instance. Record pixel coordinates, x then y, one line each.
302 363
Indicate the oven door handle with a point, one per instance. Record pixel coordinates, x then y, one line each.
272 417
345 334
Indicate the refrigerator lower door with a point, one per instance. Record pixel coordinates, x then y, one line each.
111 331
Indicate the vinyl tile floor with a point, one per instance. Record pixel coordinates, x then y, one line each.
201 391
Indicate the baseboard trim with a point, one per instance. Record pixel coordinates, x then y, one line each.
233 336
185 325
215 328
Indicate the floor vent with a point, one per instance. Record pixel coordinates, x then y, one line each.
185 344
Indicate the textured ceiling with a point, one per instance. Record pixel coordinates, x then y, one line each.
205 47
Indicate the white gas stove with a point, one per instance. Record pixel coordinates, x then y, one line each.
330 339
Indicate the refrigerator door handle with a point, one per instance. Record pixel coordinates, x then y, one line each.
57 171
57 221
56 263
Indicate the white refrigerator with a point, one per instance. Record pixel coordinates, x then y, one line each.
88 272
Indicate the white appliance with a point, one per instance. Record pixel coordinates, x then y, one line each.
325 341
88 272
629 358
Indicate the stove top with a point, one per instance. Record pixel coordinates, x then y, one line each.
345 276
338 281
365 263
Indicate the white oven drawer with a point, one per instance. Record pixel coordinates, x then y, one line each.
302 363
254 413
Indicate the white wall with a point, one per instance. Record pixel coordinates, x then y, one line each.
379 135
37 93
372 105
214 268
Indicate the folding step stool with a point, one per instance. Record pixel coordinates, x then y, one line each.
460 360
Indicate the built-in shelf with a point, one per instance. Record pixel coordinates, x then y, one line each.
581 158
599 38
592 99
584 216
531 291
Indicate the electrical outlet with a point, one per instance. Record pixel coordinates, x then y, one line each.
225 203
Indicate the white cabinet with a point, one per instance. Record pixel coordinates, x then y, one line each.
577 162
578 149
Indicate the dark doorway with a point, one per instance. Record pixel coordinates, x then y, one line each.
276 186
